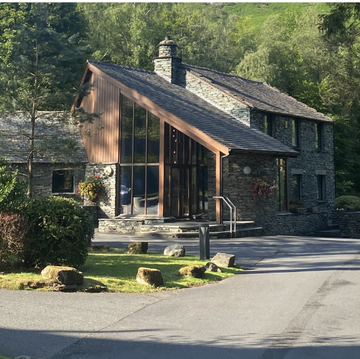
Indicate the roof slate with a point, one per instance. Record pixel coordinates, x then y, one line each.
217 124
55 141
258 95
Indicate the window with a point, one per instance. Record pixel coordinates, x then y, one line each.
268 124
295 133
321 187
319 143
139 159
296 187
282 184
62 181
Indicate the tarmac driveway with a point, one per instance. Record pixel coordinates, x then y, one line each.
299 298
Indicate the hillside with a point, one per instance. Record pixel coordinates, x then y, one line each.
259 12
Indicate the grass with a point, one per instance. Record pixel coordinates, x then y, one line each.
117 271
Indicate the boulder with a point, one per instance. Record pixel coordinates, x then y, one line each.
212 267
137 248
192 271
175 250
62 275
149 276
224 260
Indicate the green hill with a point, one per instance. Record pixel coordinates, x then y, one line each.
259 12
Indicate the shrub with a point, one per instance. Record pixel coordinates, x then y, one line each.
12 191
351 203
13 241
60 232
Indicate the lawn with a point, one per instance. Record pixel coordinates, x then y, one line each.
117 271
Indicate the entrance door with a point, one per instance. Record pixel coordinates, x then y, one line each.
180 192
185 175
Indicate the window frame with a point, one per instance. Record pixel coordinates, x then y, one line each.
319 136
295 133
269 124
70 189
321 187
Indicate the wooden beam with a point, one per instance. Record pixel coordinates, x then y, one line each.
162 168
218 181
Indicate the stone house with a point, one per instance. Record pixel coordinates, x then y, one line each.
178 140
59 160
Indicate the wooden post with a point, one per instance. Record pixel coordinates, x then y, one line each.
218 180
162 168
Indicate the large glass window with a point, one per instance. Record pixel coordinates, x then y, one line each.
139 160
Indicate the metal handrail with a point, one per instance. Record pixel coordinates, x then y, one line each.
232 208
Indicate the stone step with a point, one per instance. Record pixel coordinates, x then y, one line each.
244 232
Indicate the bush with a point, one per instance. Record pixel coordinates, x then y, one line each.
351 203
12 191
60 232
13 241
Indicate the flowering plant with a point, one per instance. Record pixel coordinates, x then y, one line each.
90 188
261 187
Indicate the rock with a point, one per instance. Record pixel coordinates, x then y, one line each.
96 289
149 276
24 357
192 271
212 267
137 248
65 288
63 275
224 260
36 285
175 250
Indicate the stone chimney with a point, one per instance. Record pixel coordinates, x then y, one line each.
167 64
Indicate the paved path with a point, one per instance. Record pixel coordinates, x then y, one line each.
298 299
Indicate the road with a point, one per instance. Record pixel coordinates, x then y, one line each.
299 298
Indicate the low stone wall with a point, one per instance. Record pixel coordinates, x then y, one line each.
349 223
299 224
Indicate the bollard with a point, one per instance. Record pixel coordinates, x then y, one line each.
204 237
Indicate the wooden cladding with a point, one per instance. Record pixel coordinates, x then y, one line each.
101 138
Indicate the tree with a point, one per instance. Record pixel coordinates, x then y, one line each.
38 69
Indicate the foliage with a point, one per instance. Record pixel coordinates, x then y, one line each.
351 203
12 191
90 188
128 33
60 232
39 66
13 241
261 187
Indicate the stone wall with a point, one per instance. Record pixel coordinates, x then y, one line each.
108 199
42 180
237 186
349 223
217 97
299 224
310 161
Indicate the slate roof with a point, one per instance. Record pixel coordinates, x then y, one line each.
258 95
198 113
55 141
